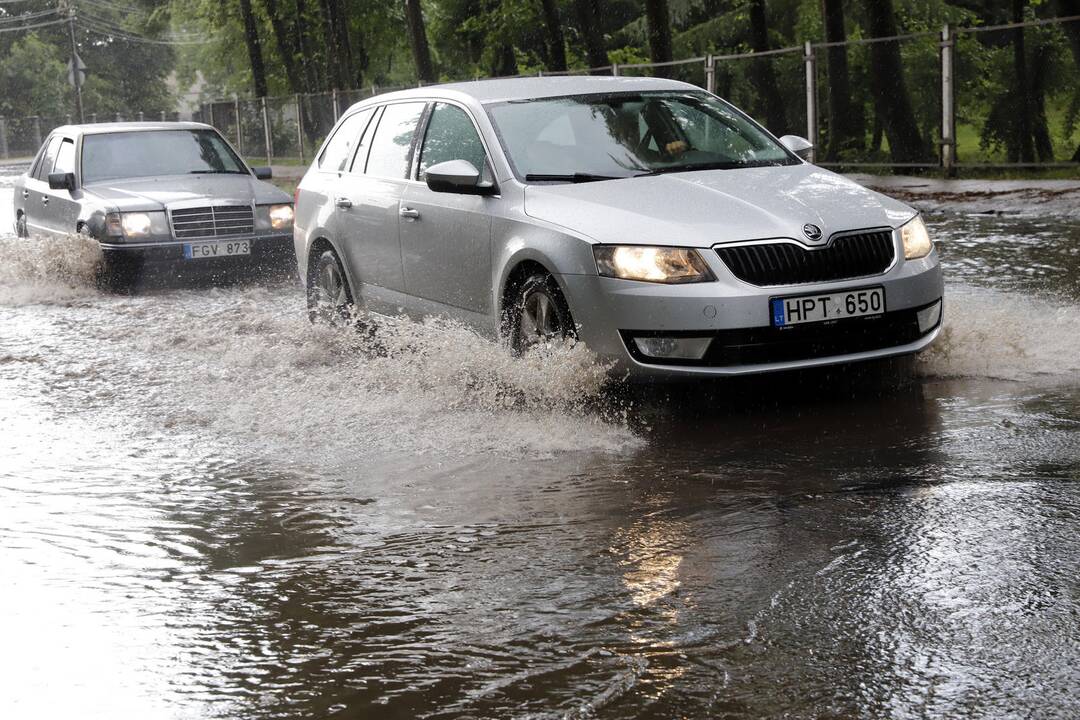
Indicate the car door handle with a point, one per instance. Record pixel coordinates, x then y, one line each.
344 203
409 213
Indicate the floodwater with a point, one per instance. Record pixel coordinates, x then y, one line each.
210 509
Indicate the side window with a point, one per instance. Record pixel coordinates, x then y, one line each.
65 158
389 156
360 157
451 135
337 153
48 160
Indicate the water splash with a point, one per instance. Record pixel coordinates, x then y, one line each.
995 334
47 270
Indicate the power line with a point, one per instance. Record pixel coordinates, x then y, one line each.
130 36
11 19
32 27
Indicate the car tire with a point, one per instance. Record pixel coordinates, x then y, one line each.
20 226
539 314
329 297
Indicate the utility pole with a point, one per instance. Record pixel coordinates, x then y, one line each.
76 62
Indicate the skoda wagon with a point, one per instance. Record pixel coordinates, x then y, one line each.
650 219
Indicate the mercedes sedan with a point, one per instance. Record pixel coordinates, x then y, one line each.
646 217
153 192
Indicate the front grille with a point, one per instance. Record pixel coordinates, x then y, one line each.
761 345
784 263
210 222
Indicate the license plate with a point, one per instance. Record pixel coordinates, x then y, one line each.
201 251
830 306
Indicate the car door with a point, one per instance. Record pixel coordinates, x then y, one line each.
62 207
446 237
35 194
368 198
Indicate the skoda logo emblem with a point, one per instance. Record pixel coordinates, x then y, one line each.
812 232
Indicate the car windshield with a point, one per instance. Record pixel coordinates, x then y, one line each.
144 153
613 135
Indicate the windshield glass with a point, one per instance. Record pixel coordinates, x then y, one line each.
144 153
611 135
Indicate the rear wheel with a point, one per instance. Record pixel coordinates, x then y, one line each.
329 296
539 314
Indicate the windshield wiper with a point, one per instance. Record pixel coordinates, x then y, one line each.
577 177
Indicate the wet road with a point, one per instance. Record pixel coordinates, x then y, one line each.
209 509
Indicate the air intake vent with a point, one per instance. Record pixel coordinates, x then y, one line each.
784 263
210 222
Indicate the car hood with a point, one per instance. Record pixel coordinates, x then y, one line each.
155 193
706 207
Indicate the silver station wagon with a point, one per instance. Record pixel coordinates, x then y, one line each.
652 220
153 192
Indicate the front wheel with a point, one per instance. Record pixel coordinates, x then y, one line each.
329 297
539 314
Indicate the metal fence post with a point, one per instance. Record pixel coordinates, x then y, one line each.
3 137
266 133
163 116
210 114
615 69
300 129
142 116
93 117
334 100
811 99
236 114
37 131
948 106
710 74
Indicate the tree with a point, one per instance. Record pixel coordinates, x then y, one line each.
414 17
658 23
254 48
1071 8
762 74
589 25
556 41
888 87
846 127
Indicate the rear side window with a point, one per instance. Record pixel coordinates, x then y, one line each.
65 158
337 153
389 155
47 162
451 135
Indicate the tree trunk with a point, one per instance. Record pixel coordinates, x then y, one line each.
285 46
658 20
846 127
589 24
888 86
421 53
1024 149
345 72
251 38
762 74
556 41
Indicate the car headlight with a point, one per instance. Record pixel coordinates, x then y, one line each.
136 224
917 241
651 264
281 217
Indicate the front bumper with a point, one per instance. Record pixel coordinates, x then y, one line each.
263 248
736 315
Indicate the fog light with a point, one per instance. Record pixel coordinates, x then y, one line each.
673 348
929 317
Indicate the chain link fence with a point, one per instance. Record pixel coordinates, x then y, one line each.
953 100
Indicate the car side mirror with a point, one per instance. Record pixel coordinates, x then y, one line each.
62 181
798 145
263 172
457 176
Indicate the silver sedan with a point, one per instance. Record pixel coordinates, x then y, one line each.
652 220
153 192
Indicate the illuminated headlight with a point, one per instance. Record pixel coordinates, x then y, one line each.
281 217
136 224
651 264
917 242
